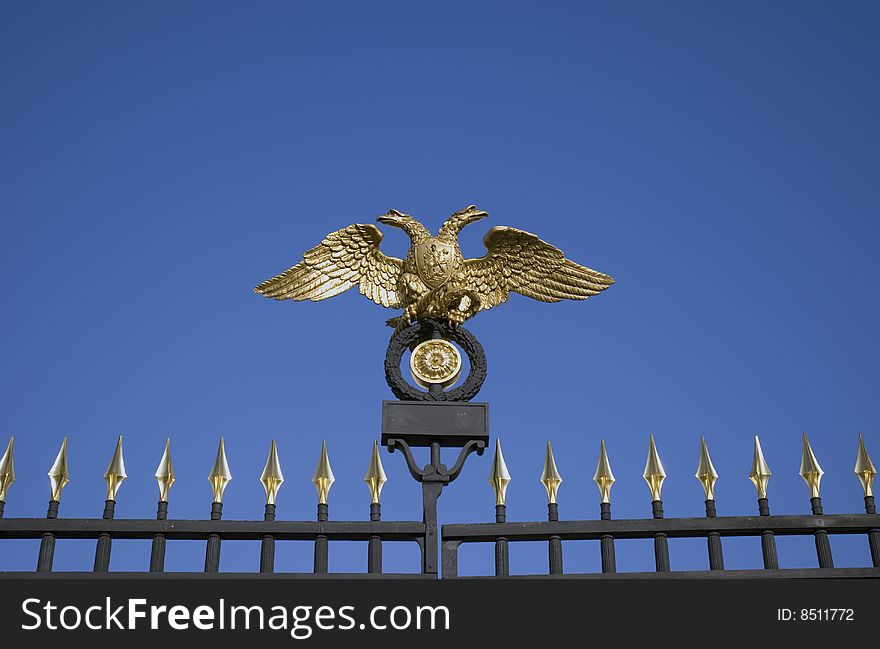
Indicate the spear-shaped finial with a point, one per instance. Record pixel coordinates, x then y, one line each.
115 473
323 477
59 476
375 477
7 470
165 473
499 477
654 474
706 471
550 477
272 478
810 471
760 473
220 474
864 470
603 477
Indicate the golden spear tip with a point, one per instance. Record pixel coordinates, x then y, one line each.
272 478
220 474
375 477
550 477
7 469
864 470
603 477
760 473
706 471
59 475
654 474
115 473
810 471
499 476
323 478
165 473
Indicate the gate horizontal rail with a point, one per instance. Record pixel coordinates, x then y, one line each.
89 528
607 531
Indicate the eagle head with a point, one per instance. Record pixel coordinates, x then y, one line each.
470 214
394 218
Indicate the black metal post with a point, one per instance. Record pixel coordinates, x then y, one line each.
374 549
555 543
768 539
157 554
823 545
432 486
434 477
267 546
212 550
47 542
873 535
502 560
716 558
102 549
609 563
322 549
661 544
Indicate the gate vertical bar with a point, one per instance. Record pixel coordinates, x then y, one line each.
47 542
661 544
823 545
157 553
271 479
212 549
707 477
59 477
760 477
555 542
551 479
604 479
323 479
873 535
812 473
322 549
114 476
374 549
499 479
768 539
267 544
609 562
219 478
103 547
866 473
654 475
164 478
375 479
502 558
716 558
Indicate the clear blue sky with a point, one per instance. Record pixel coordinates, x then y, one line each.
158 160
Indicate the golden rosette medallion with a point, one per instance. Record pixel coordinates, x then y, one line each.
435 361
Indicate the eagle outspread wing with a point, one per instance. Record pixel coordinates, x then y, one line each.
521 262
344 258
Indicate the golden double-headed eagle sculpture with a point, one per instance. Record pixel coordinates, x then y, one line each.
435 281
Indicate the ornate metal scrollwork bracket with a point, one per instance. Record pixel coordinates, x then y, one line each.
436 471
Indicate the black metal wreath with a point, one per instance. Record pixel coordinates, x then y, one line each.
423 330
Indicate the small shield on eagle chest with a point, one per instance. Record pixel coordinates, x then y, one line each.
434 262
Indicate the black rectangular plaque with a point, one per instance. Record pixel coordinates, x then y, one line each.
419 423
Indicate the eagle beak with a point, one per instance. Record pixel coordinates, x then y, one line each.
476 215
